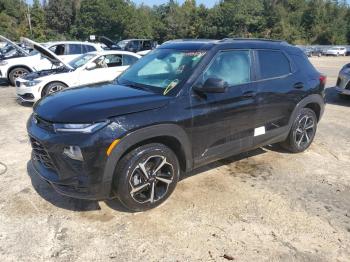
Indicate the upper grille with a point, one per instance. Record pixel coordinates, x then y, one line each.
43 123
40 153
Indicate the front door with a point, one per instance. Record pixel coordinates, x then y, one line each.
108 67
223 123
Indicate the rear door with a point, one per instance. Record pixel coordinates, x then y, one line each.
223 122
278 91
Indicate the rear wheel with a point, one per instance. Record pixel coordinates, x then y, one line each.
16 73
302 132
53 88
146 176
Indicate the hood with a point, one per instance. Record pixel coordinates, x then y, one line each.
97 102
51 56
17 47
109 43
42 73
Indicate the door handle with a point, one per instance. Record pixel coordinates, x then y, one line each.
249 94
298 85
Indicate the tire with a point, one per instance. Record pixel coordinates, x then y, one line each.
131 176
302 132
17 72
53 88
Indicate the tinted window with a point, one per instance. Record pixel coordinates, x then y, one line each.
272 64
88 48
230 66
129 60
75 49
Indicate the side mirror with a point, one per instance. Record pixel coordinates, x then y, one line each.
213 85
91 66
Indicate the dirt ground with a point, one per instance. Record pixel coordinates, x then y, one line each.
265 205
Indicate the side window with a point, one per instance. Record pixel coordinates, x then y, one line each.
113 60
230 66
58 49
106 61
129 60
147 45
88 48
75 49
272 64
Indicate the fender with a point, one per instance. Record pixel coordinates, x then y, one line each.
314 98
137 136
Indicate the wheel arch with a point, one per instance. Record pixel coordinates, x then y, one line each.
170 135
315 102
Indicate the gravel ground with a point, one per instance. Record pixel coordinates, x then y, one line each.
264 205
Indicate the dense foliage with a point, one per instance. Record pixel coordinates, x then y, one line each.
297 21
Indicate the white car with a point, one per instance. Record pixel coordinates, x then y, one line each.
89 68
336 51
13 68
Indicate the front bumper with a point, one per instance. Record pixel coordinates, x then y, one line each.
77 179
27 94
342 90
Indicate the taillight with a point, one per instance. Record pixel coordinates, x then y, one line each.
323 80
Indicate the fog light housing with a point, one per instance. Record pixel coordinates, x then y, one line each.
73 152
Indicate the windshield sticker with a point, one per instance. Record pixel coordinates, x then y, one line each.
171 86
197 53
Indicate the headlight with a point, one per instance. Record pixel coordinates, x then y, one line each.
80 128
3 62
31 83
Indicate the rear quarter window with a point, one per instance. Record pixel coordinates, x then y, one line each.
272 64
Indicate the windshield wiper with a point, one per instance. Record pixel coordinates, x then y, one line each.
134 85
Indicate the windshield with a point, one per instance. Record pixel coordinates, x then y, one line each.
81 60
162 69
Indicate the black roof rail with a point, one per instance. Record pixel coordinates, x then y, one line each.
253 39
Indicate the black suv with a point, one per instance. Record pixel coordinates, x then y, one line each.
188 103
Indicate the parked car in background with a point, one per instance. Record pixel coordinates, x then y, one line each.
184 105
11 49
336 51
137 45
343 81
89 68
316 51
13 68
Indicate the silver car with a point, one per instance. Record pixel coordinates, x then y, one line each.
343 82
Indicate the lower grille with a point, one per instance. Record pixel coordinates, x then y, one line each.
40 154
348 86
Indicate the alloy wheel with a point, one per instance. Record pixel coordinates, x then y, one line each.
150 180
305 131
19 73
55 88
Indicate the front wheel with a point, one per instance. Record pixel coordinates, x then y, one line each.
302 132
16 73
53 88
146 176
